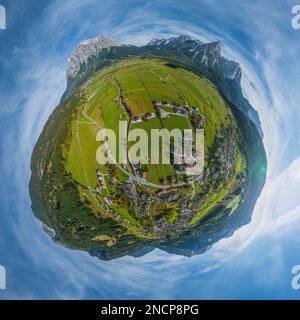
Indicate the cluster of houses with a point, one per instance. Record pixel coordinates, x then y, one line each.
158 104
141 118
141 172
161 112
123 104
225 154
101 183
170 179
169 195
197 120
129 191
183 167
221 162
195 116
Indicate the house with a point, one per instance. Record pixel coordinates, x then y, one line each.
157 103
136 162
176 107
101 181
137 119
202 120
180 167
197 125
163 114
182 111
107 200
173 179
158 108
144 174
149 115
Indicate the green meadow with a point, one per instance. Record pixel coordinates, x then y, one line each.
140 82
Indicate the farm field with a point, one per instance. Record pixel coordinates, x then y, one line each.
147 94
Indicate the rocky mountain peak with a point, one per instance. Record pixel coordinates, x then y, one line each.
209 53
180 42
231 69
86 49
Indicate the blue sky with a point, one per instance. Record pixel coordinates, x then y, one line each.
256 261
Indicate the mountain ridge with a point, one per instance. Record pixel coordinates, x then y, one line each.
84 50
206 58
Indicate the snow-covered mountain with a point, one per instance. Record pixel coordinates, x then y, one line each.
85 50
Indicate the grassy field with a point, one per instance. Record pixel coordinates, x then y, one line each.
161 171
140 82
